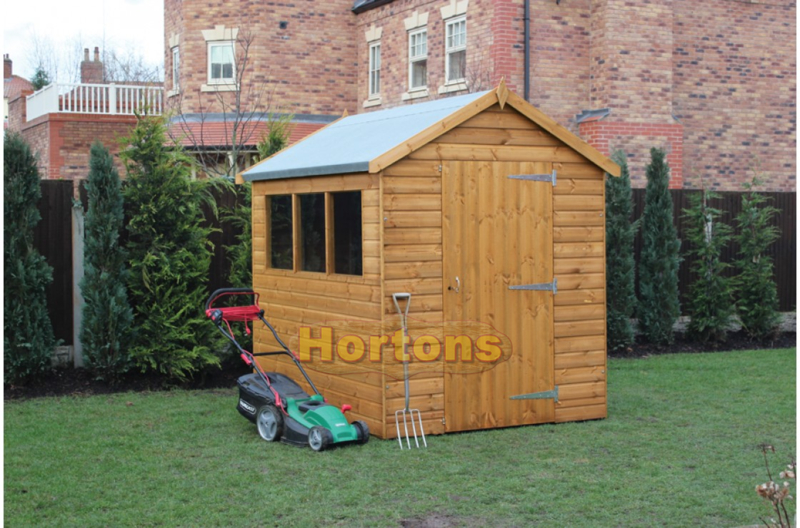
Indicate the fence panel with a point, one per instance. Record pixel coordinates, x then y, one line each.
783 252
53 238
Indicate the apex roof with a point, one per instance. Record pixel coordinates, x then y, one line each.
372 141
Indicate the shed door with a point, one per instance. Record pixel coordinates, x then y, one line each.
498 232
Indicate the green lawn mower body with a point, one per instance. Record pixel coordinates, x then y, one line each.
280 408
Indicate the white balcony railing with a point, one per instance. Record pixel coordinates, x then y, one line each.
108 99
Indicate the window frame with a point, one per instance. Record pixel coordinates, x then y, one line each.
373 71
412 58
223 80
454 49
329 235
176 65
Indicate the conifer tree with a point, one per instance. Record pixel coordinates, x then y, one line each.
40 78
620 263
659 305
169 255
757 299
107 315
28 339
710 295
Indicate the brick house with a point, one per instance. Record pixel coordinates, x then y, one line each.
705 81
13 86
62 120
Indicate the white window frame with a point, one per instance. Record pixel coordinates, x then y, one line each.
176 72
222 81
374 70
416 58
454 49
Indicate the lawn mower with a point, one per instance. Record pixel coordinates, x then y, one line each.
279 407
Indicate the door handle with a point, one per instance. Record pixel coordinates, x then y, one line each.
458 286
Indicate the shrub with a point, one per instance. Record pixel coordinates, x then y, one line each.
710 295
169 253
757 293
28 333
620 263
659 305
107 315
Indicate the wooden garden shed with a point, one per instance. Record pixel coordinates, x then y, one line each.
480 206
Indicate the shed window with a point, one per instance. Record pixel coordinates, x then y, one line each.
318 232
347 233
280 226
312 232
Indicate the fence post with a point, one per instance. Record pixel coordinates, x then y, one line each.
77 275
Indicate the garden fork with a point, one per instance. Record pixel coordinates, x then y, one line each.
406 413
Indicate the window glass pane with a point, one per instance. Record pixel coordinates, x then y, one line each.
419 45
312 232
374 69
456 62
456 34
347 232
222 61
176 59
279 209
419 73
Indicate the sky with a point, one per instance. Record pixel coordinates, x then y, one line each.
135 26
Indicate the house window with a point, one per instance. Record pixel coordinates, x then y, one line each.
280 231
221 68
456 50
347 246
176 62
318 232
375 69
312 232
418 59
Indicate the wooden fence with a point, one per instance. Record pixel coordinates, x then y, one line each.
783 252
53 238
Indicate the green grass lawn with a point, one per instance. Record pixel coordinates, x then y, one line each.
680 448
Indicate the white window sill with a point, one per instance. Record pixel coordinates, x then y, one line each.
453 87
417 93
218 88
372 102
173 93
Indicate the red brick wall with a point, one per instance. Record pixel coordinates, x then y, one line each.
307 68
735 91
489 53
36 134
636 140
713 78
17 111
561 36
62 142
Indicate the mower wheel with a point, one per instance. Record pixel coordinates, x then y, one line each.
363 431
319 438
270 423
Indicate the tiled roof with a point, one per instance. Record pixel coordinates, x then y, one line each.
14 85
216 134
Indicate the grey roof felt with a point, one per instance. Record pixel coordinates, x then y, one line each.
349 144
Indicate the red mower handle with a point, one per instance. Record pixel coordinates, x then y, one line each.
222 292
